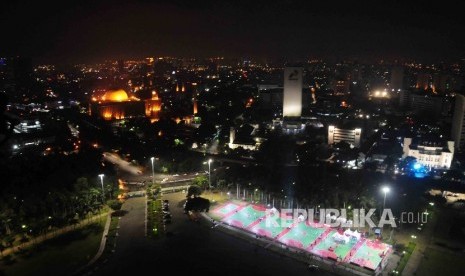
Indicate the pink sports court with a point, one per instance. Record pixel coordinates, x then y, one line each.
339 245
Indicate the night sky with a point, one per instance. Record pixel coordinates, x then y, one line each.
87 31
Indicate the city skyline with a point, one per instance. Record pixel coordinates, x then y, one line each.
139 135
89 32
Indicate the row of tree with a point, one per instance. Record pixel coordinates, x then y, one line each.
38 194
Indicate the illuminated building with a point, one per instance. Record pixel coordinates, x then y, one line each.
181 88
350 136
153 107
195 107
244 141
292 100
433 155
380 94
28 125
118 105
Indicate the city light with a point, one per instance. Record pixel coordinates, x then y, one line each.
209 173
103 191
153 172
385 190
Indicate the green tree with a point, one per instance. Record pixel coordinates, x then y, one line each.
200 181
114 204
221 184
194 191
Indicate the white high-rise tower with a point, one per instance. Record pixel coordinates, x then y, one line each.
292 103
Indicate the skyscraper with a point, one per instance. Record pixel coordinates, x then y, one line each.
458 122
292 102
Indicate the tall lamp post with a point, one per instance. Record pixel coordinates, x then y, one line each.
153 173
101 182
209 174
385 190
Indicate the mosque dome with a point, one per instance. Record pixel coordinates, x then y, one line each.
115 96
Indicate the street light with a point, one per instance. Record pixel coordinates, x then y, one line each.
101 181
209 174
153 173
386 190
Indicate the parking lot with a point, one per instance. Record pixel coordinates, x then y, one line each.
190 246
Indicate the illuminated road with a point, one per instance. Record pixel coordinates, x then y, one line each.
121 163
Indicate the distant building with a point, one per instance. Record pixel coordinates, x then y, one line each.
28 125
271 97
340 87
16 78
426 103
458 122
292 102
243 141
194 106
350 136
397 78
118 105
433 155
153 107
404 98
22 141
268 86
423 81
293 126
441 83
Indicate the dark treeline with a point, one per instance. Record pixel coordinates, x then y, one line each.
38 193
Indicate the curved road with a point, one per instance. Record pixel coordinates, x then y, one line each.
192 248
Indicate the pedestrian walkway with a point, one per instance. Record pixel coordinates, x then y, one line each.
103 242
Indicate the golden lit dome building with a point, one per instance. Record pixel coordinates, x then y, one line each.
115 96
118 105
153 107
